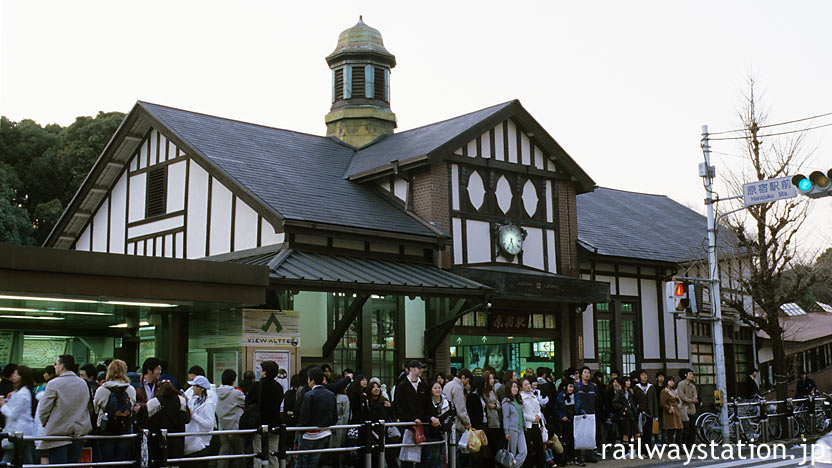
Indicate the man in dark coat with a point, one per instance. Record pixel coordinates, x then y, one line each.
648 406
751 387
318 409
411 399
268 393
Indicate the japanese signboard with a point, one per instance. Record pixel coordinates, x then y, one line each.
271 327
504 321
764 191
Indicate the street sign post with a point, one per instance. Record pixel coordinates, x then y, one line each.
764 191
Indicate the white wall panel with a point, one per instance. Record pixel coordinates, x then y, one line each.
629 286
479 241
176 187
400 189
134 163
472 149
550 210
131 248
669 334
99 228
551 252
168 246
220 237
499 146
245 226
150 247
526 150
143 154
118 214
607 279
138 187
415 322
268 236
455 186
155 226
179 241
538 158
682 339
154 148
533 248
197 211
649 319
512 142
456 228
83 242
140 248
589 332
485 144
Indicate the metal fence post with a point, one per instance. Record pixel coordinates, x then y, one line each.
789 418
763 418
19 446
282 434
163 448
368 444
141 444
812 413
452 447
382 435
264 454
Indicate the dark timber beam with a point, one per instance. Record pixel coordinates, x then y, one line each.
344 324
435 334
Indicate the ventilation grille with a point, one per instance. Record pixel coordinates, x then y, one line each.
358 81
378 85
156 192
339 84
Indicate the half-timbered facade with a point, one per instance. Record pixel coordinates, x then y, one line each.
454 242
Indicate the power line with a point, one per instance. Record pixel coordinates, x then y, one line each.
763 159
771 134
774 124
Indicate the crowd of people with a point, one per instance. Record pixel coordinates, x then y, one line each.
529 416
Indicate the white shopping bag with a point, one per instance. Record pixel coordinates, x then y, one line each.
410 454
584 431
463 442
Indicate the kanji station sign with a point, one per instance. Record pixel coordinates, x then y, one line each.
504 321
764 191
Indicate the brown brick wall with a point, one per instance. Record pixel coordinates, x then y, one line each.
430 200
568 228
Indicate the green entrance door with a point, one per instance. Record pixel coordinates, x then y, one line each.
504 353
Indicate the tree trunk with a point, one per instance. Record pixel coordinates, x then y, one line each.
781 371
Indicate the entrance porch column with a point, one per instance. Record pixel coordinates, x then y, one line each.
171 341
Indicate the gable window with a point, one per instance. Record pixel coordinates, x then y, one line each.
156 200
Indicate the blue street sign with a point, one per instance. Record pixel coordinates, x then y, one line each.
765 191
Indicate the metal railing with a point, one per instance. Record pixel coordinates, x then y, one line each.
374 443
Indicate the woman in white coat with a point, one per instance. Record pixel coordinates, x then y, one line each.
202 420
533 417
19 410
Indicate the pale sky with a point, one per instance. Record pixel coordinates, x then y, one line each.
624 87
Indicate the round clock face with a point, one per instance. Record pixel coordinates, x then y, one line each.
511 238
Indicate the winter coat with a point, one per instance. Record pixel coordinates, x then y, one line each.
687 393
169 413
648 399
671 407
230 405
512 419
476 411
445 412
102 397
623 405
455 391
531 409
63 409
564 408
202 420
269 403
585 396
19 414
492 414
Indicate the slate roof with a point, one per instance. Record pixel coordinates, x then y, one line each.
416 142
642 226
299 176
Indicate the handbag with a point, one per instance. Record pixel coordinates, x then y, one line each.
410 454
462 443
474 442
505 458
557 447
584 432
418 434
251 418
394 435
656 429
482 436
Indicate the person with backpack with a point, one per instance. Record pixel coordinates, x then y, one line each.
113 404
19 409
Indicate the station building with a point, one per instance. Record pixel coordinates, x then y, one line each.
210 241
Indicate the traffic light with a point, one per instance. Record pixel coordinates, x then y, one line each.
816 185
677 298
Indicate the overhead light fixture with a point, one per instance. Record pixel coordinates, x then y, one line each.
124 325
50 299
67 312
140 304
16 309
31 317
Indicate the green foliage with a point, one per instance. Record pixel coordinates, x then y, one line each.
44 166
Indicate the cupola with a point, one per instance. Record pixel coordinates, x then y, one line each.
360 65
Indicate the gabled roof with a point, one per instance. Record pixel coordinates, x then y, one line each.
642 226
437 140
297 175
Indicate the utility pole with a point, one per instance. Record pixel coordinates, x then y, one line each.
713 277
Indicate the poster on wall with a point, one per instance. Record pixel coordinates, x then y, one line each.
271 327
282 358
498 356
224 360
42 352
6 340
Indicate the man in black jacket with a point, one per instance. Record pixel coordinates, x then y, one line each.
318 409
268 395
751 387
411 401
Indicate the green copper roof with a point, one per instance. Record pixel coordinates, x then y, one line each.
361 39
